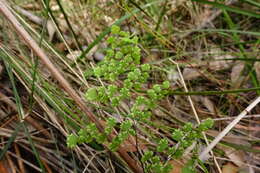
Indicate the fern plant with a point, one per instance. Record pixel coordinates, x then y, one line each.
122 63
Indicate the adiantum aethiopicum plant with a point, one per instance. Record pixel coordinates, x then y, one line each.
122 63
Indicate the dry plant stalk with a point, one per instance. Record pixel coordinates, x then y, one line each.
196 114
4 9
203 155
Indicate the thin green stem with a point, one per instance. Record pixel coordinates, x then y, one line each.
213 92
69 25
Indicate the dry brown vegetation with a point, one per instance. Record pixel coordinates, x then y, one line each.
209 53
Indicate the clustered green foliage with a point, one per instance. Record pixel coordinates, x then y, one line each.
122 61
184 137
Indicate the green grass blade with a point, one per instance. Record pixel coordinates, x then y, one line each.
35 63
36 153
205 93
69 25
16 95
140 8
241 147
10 140
21 113
227 31
239 59
164 10
107 30
61 110
254 3
229 8
48 11
249 68
102 35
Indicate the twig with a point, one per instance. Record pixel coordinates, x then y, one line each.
231 118
4 9
204 153
196 114
30 15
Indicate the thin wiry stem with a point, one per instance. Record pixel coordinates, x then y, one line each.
196 114
203 155
4 9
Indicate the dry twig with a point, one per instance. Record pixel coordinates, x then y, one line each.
203 155
4 8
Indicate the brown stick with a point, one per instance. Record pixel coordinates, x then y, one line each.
4 8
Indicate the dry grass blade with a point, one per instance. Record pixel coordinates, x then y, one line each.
196 114
203 155
57 75
195 77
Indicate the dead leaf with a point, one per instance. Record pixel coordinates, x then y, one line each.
219 64
63 47
236 73
51 29
190 73
229 168
208 104
130 144
173 76
247 170
177 166
257 69
151 58
3 167
236 156
63 24
250 128
239 140
73 55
